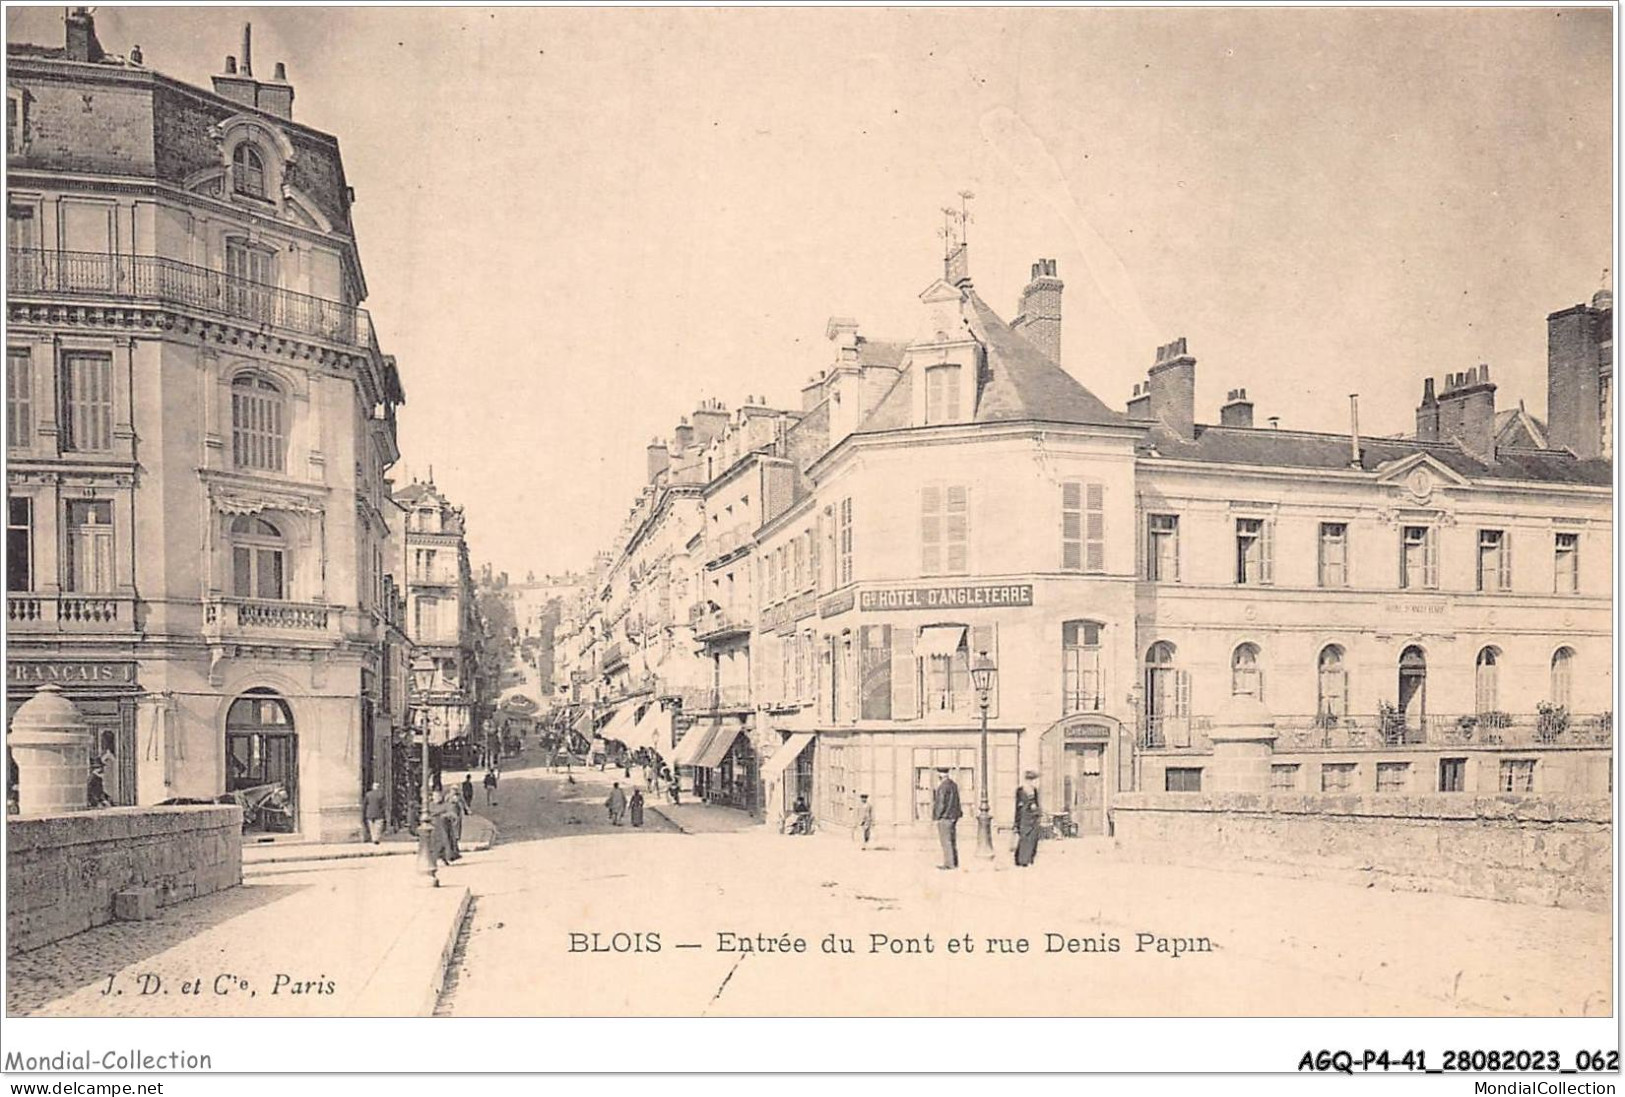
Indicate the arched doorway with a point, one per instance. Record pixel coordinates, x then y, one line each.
1167 692
262 761
1562 689
1413 682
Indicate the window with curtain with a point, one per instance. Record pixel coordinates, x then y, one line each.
1246 679
87 402
89 566
250 280
258 432
1254 555
1419 558
1494 560
258 559
1162 549
1334 683
1562 677
1486 680
1334 548
1566 563
944 531
1082 681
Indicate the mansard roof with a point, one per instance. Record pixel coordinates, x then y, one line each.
1304 450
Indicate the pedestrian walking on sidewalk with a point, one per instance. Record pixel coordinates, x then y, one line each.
448 824
865 825
616 804
468 792
491 787
945 811
1028 816
636 807
676 788
372 812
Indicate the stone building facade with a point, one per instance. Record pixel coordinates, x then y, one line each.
199 424
1161 596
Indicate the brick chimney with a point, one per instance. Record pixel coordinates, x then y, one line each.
1467 411
1038 316
659 459
1579 357
1172 381
1427 414
710 421
683 436
1237 410
81 36
237 83
1139 405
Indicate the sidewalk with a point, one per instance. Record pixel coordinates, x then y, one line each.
361 940
705 818
479 833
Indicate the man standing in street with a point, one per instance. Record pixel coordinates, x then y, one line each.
372 812
865 825
468 792
616 804
491 787
946 812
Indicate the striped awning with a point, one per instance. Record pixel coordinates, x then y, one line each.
699 736
717 747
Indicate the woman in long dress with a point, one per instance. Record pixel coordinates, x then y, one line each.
636 807
1028 819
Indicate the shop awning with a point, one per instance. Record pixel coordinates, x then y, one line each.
619 727
785 756
653 728
939 640
717 749
583 724
695 741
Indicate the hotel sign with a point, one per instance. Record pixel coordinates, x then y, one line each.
961 596
782 617
30 673
837 603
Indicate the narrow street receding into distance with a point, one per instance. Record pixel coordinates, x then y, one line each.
1279 945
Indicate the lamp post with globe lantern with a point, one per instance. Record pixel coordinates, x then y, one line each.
423 672
981 676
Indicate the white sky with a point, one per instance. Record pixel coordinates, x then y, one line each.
576 224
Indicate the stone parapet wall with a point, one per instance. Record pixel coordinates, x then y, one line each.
62 871
1527 849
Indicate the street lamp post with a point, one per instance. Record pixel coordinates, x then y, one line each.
981 676
422 682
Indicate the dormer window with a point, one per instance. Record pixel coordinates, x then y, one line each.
941 394
247 171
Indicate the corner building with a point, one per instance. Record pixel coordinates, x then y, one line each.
199 423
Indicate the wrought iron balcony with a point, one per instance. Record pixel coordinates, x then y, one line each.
1371 733
721 623
92 275
67 612
725 699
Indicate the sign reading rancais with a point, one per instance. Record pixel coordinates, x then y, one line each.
20 672
959 596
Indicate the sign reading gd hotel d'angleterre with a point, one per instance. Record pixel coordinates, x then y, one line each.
963 596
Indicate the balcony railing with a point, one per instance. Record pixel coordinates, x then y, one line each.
53 612
720 623
154 278
725 699
268 615
1433 730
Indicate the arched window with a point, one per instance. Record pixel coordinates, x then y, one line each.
1485 680
258 426
1167 697
262 760
1563 677
258 559
1334 684
1082 684
247 171
1246 679
1413 682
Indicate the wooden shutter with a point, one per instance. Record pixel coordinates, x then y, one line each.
1266 551
1071 525
1506 559
1430 570
931 534
986 638
1175 554
1182 693
956 530
1142 540
905 697
1094 527
874 656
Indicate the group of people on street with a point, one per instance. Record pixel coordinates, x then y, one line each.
619 805
447 806
946 812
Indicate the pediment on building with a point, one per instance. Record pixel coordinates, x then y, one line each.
1419 475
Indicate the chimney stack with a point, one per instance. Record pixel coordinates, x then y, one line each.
1172 382
1237 410
248 49
1275 422
237 83
1038 315
683 436
1354 431
710 420
1139 405
659 459
81 42
1579 374
1463 412
1427 413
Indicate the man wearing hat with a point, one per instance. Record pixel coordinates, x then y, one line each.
1028 819
945 812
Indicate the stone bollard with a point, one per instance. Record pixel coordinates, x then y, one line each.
50 742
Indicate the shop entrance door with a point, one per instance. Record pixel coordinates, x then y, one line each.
1085 789
262 761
